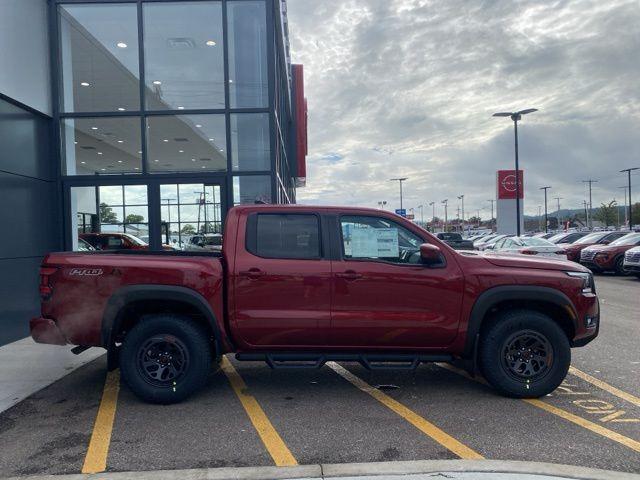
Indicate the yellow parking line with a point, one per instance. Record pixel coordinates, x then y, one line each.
268 434
409 415
96 459
605 386
593 427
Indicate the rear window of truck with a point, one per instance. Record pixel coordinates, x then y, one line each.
286 236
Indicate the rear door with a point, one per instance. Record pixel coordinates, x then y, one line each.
281 281
383 296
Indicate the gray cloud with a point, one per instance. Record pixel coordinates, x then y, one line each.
407 87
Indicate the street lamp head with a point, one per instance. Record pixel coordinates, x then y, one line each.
528 110
544 188
629 169
502 114
460 197
398 179
431 203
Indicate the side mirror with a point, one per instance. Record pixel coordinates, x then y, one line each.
430 254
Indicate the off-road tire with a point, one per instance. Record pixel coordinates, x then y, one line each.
494 353
177 344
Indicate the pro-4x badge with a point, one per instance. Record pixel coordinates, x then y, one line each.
85 272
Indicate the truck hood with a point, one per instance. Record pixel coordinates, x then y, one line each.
540 264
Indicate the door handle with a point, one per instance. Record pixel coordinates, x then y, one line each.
253 273
349 275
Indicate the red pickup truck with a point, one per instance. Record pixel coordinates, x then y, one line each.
299 286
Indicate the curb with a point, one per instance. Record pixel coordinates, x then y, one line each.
375 469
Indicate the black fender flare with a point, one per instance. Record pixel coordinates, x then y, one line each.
112 317
495 295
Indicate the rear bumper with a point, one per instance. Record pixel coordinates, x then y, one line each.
45 330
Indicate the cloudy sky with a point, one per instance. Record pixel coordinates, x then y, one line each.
407 88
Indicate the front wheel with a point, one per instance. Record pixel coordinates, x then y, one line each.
165 358
524 354
620 268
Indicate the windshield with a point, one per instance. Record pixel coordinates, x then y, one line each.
556 237
591 238
535 242
630 239
135 240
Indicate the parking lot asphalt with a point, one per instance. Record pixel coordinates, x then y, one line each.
250 415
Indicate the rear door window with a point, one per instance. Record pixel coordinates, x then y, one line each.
286 236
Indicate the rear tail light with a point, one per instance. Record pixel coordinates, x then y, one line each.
528 252
46 290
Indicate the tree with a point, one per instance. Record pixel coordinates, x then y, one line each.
607 213
474 220
107 214
188 229
134 218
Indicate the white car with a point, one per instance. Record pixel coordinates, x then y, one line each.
632 261
489 242
528 246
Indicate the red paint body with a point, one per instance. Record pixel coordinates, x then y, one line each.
303 305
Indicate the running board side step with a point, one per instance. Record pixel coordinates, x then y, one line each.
374 361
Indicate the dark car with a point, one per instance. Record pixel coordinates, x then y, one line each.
567 237
455 240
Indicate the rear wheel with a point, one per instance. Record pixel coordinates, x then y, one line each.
524 353
165 358
620 268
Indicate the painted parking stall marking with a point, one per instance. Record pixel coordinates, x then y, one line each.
96 458
274 444
561 413
605 386
409 415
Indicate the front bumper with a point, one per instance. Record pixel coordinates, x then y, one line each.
45 330
589 325
632 267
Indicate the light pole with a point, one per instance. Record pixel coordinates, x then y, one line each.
491 221
444 202
382 204
546 219
461 197
433 217
516 116
540 216
421 207
625 202
629 170
558 216
399 180
590 211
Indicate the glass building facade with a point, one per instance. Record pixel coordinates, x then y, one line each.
167 113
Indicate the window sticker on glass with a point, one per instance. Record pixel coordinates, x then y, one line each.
373 243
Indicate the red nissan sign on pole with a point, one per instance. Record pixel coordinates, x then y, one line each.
507 184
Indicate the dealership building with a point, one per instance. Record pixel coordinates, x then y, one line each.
146 117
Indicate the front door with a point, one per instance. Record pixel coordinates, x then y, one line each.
383 296
281 281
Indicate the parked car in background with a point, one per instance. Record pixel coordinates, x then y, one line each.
481 240
632 261
489 243
528 246
600 258
596 238
84 246
455 240
544 235
116 241
207 242
567 237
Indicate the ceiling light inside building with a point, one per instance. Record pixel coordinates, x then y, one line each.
99 153
85 84
157 82
120 109
83 162
136 168
156 160
120 141
119 161
180 151
210 43
94 128
211 139
198 126
180 108
103 169
121 45
165 140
